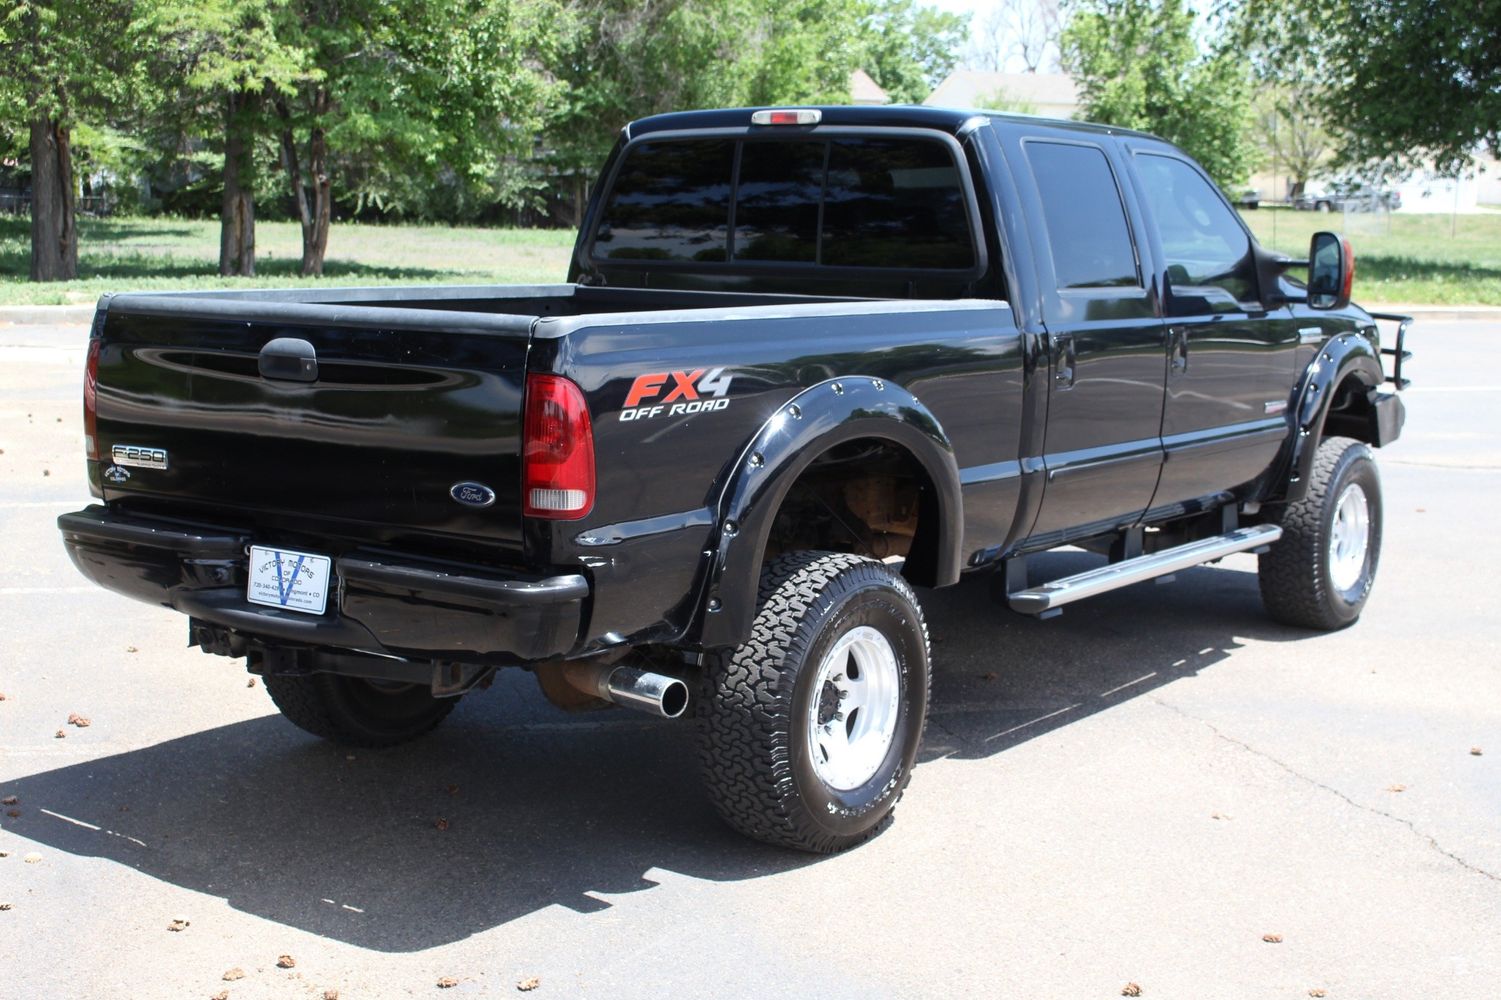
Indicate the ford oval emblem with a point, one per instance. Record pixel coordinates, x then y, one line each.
472 494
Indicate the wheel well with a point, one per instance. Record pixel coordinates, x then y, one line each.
870 497
1351 413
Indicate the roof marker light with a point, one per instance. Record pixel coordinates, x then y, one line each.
787 116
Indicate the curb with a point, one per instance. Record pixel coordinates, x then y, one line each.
1487 313
48 315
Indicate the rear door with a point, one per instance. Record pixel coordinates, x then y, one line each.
1102 450
1230 361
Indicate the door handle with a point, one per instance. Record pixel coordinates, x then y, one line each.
1064 360
1178 341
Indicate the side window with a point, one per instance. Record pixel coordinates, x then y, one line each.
1203 242
1086 221
671 202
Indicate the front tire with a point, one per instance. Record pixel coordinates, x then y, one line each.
354 712
1319 574
808 732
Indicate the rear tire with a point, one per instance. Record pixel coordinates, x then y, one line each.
1319 574
808 732
354 712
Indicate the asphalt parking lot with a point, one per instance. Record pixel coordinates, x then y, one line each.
1161 787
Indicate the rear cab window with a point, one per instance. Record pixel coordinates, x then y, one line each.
811 203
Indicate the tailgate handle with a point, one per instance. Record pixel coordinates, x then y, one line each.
289 359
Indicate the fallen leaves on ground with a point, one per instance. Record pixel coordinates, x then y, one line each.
32 858
5 906
1272 938
81 721
1474 751
440 823
454 789
285 962
13 813
2 695
250 682
330 995
59 735
529 983
221 995
447 982
992 675
179 924
10 800
1219 815
232 974
131 649
1130 990
1316 992
1396 788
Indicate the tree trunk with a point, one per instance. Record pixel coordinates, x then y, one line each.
237 210
311 193
54 232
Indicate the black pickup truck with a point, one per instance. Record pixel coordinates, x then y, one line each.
806 360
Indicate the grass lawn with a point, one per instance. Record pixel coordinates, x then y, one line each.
1410 259
116 255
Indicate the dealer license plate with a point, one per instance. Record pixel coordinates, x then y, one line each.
282 578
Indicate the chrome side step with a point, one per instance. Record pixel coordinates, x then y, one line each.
1053 595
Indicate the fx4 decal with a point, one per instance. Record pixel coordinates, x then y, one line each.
675 394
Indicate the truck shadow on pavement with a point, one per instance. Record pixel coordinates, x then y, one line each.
537 807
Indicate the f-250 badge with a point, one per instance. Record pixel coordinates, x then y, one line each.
675 394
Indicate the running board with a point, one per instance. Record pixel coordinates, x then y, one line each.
1051 596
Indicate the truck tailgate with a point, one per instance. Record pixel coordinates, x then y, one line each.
406 405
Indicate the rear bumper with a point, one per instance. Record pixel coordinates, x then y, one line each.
383 604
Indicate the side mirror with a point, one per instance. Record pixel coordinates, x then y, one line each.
1331 271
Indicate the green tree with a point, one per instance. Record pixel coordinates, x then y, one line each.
1407 82
230 65
68 61
1138 65
1293 140
908 48
406 89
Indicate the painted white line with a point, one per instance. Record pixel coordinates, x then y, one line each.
1122 687
1451 388
1032 722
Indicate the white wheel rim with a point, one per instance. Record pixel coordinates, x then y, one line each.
852 716
1349 537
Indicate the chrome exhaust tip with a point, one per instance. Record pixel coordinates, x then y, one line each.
643 690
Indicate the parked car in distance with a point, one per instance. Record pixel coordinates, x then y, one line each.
1346 196
1248 198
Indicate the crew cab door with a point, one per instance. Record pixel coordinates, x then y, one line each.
1102 450
1230 361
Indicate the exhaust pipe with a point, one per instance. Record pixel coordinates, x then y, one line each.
642 690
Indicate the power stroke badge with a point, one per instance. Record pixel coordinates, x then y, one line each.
675 394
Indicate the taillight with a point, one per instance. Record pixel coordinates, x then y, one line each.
1349 272
91 401
787 116
557 450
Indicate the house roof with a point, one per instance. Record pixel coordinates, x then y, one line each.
970 88
864 90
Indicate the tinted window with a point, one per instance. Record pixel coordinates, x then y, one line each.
894 203
776 202
671 202
1202 239
1086 222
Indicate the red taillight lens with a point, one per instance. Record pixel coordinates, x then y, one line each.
557 450
1349 271
91 401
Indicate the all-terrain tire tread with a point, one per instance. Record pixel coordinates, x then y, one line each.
1292 574
744 750
306 701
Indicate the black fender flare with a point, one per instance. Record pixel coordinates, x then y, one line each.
801 429
1345 355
